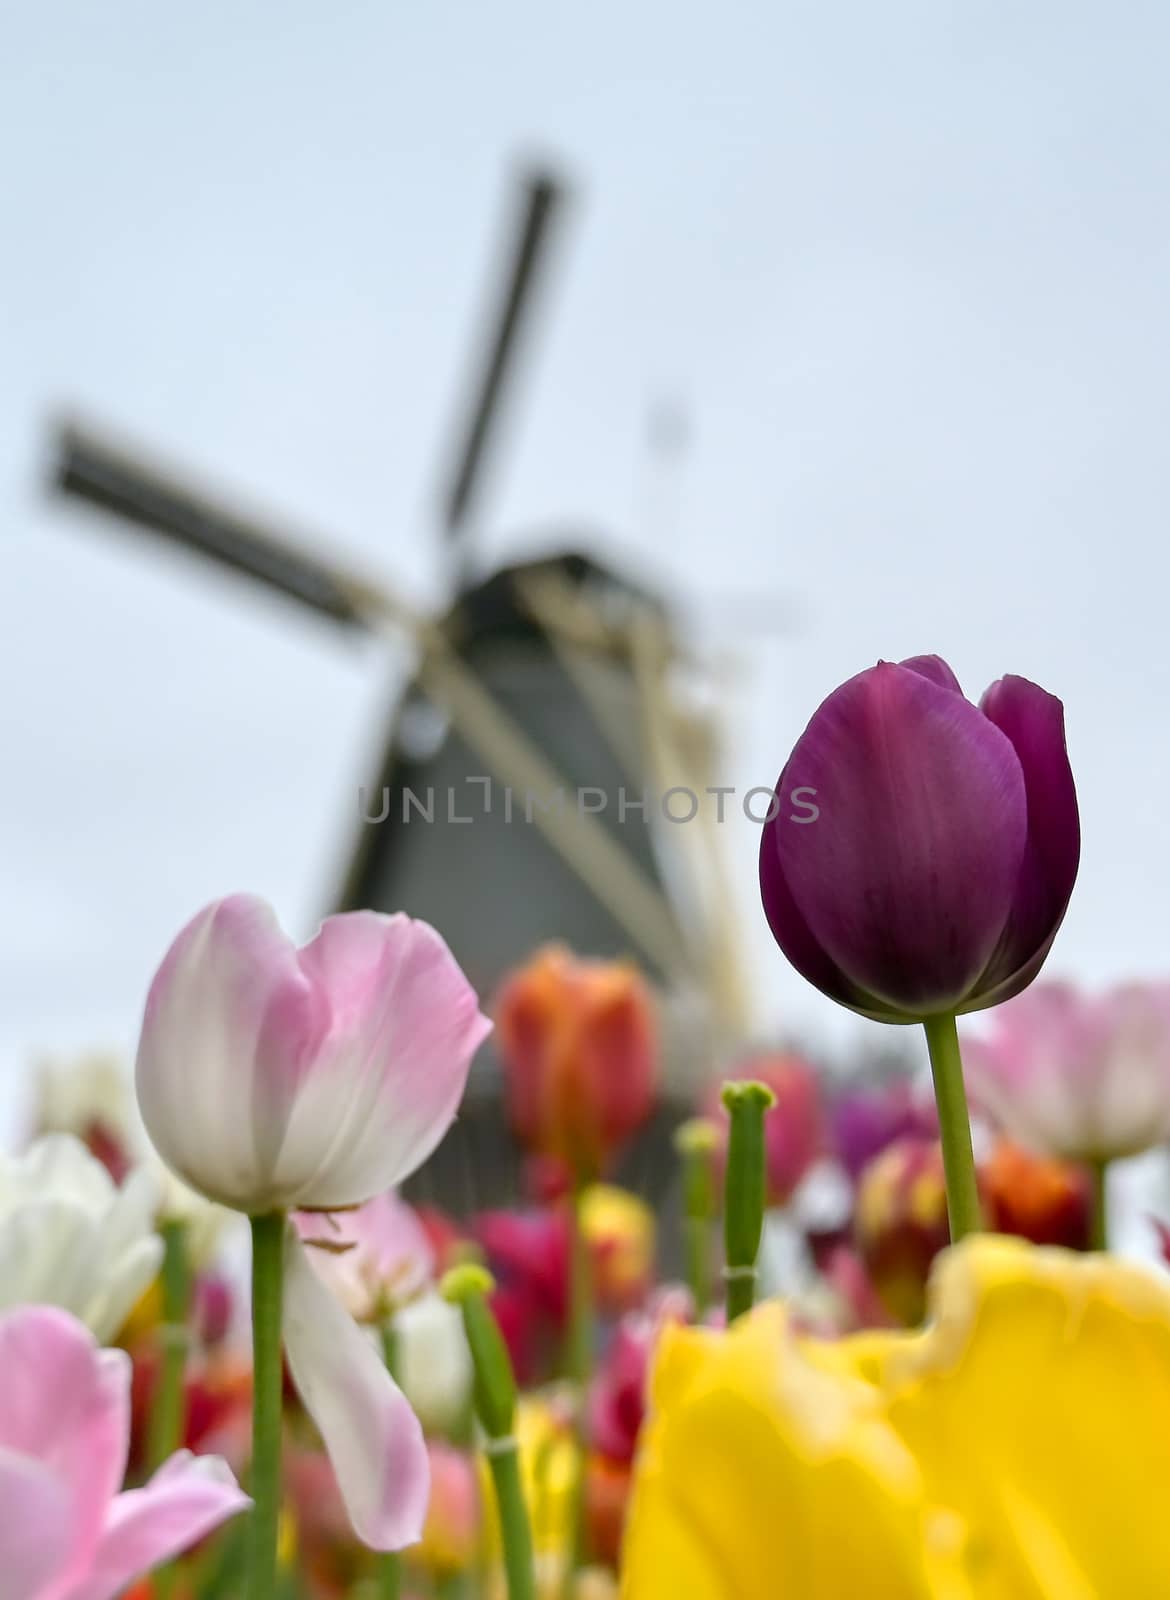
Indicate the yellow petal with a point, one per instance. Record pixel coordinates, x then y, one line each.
1038 1404
763 1475
865 1356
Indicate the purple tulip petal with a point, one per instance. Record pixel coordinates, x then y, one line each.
935 669
1033 720
789 928
906 878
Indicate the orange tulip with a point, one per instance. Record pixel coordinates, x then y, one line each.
580 1050
1036 1197
607 1493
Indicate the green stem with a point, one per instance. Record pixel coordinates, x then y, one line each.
389 1564
1099 1221
744 1190
698 1248
954 1126
516 1534
741 1292
696 1142
580 1364
579 1346
167 1419
468 1286
267 1378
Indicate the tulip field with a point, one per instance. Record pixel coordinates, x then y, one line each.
877 1344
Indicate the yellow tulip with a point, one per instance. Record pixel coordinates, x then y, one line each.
619 1229
548 1470
1018 1449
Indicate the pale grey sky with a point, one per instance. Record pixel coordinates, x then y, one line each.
908 264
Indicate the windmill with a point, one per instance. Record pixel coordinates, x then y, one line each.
515 796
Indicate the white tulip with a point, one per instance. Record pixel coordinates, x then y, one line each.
70 1237
80 1093
432 1361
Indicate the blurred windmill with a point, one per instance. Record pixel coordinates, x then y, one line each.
541 694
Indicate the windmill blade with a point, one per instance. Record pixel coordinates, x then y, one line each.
151 499
543 195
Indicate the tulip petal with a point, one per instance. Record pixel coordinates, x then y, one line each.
187 1498
405 1026
1076 1077
70 1238
760 1475
1130 1091
35 1510
906 878
372 1436
934 668
231 1028
66 1402
1039 1401
124 1284
1033 720
48 1253
60 1164
130 1254
792 933
1021 1073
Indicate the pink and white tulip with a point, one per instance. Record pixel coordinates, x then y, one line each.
1082 1077
66 1533
273 1078
276 1079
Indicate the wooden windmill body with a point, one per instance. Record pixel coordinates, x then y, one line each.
517 795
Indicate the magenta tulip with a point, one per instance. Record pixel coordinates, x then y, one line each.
922 849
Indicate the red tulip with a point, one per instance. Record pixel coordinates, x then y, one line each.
901 1223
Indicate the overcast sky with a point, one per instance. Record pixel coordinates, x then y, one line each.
906 265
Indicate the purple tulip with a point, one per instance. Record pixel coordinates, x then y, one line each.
923 850
866 1120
